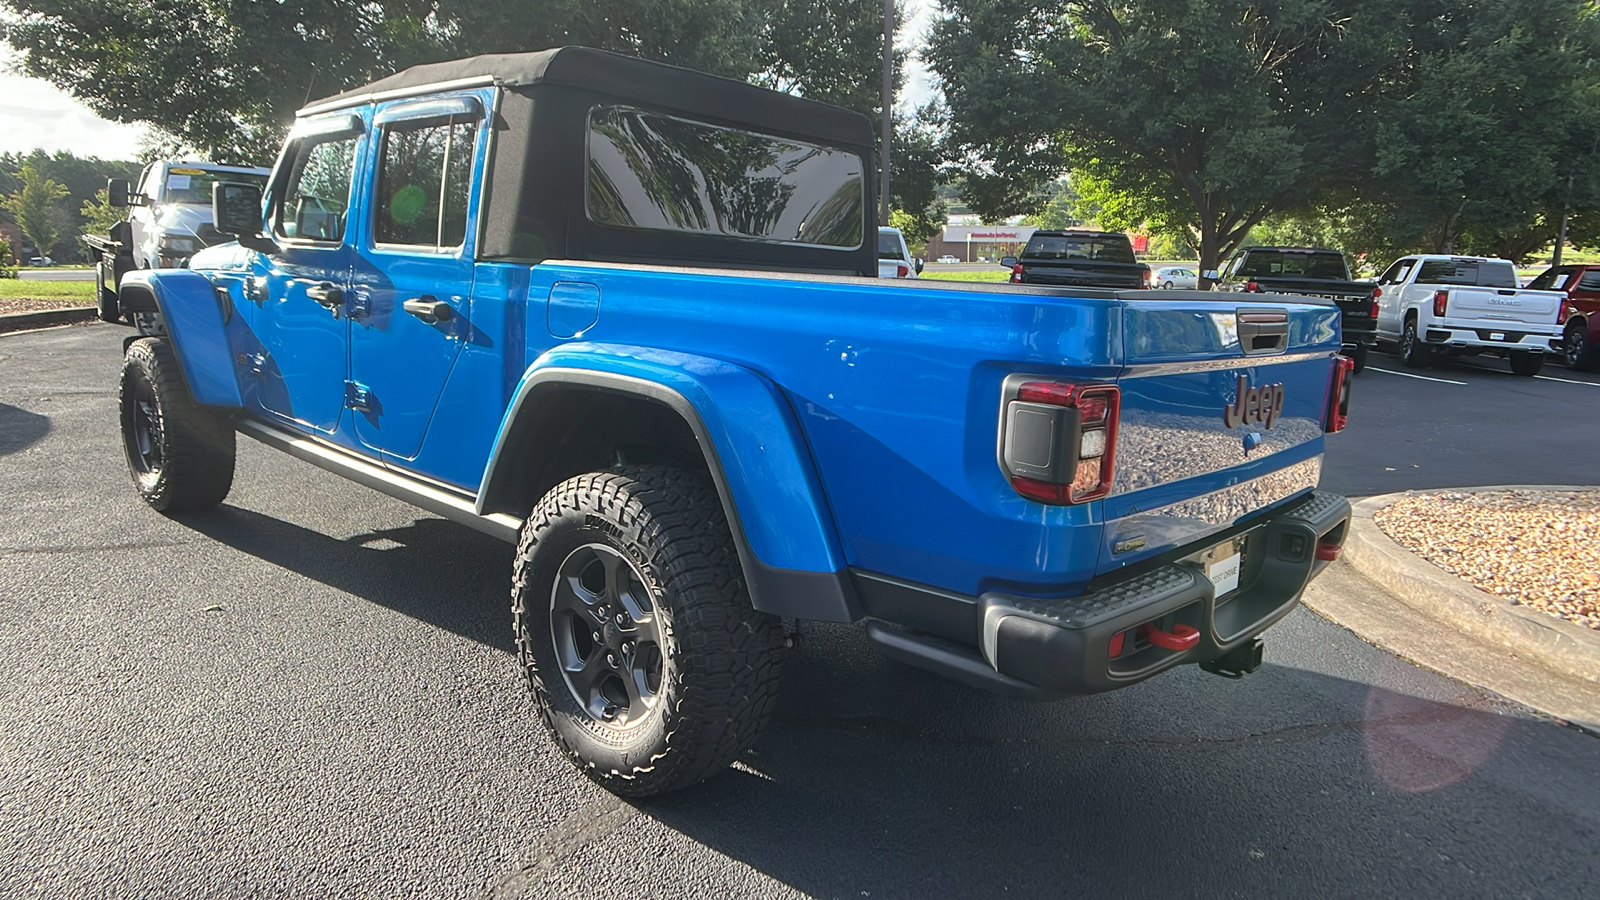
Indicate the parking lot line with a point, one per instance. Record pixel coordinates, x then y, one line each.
1566 380
1409 375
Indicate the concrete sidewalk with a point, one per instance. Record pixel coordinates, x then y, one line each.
1397 600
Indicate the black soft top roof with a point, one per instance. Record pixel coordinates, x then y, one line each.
626 76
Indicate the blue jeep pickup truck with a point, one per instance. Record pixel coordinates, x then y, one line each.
624 316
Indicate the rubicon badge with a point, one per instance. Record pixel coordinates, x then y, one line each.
1255 406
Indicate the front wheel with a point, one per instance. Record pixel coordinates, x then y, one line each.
648 664
1413 352
180 454
1526 364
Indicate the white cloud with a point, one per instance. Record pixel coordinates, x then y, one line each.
34 114
919 80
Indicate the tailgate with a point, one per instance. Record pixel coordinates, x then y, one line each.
1504 305
1192 459
1083 273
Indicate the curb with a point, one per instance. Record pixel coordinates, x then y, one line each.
1566 647
9 321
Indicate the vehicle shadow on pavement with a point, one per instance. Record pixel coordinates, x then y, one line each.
20 429
1291 784
432 570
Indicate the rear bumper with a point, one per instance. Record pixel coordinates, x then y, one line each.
1048 648
1493 336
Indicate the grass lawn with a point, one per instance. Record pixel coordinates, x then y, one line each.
31 296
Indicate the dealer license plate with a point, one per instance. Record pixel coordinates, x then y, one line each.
1223 563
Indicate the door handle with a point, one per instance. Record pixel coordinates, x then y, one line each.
326 294
429 309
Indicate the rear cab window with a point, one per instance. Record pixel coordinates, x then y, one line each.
656 172
1100 248
1469 273
1288 263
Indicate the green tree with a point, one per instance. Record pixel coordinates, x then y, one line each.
225 76
33 205
7 270
1202 116
98 214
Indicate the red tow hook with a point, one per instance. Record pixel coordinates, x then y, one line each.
1181 637
1329 552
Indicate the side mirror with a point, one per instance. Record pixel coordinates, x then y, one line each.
236 210
920 264
1211 275
1008 261
117 192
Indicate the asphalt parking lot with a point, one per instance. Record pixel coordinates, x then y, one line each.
310 692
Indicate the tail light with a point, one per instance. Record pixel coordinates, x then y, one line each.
1252 287
1377 292
1339 397
1058 441
1149 279
1441 303
1016 274
902 270
1373 312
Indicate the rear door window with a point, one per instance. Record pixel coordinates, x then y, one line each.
1591 282
424 180
1469 273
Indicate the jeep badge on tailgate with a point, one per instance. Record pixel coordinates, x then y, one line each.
1255 406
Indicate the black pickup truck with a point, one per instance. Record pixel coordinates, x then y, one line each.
1308 272
1080 259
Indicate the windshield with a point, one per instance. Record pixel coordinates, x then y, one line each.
1106 248
1306 264
193 186
1469 272
889 245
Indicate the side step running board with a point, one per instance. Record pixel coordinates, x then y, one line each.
453 506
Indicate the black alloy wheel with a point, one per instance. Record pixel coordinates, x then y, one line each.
606 635
1413 352
142 431
180 454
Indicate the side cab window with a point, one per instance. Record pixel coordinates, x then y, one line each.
148 182
315 194
423 193
1398 272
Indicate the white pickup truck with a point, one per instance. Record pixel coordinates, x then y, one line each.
1433 306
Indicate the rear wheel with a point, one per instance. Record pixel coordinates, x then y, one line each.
106 296
1167 285
1358 355
1526 364
1579 351
647 662
1413 352
180 454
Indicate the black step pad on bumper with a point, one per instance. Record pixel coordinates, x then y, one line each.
1042 648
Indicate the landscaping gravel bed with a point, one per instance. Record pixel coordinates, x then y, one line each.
1532 547
38 304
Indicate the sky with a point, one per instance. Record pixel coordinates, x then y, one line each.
36 115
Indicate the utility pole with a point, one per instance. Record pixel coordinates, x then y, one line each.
1566 212
888 110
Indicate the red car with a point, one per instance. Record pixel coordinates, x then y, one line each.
1580 343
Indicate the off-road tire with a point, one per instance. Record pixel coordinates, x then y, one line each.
1413 352
1358 356
185 462
719 658
106 306
1526 364
1580 352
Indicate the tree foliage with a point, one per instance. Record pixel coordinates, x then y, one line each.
225 76
1193 115
34 206
81 176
